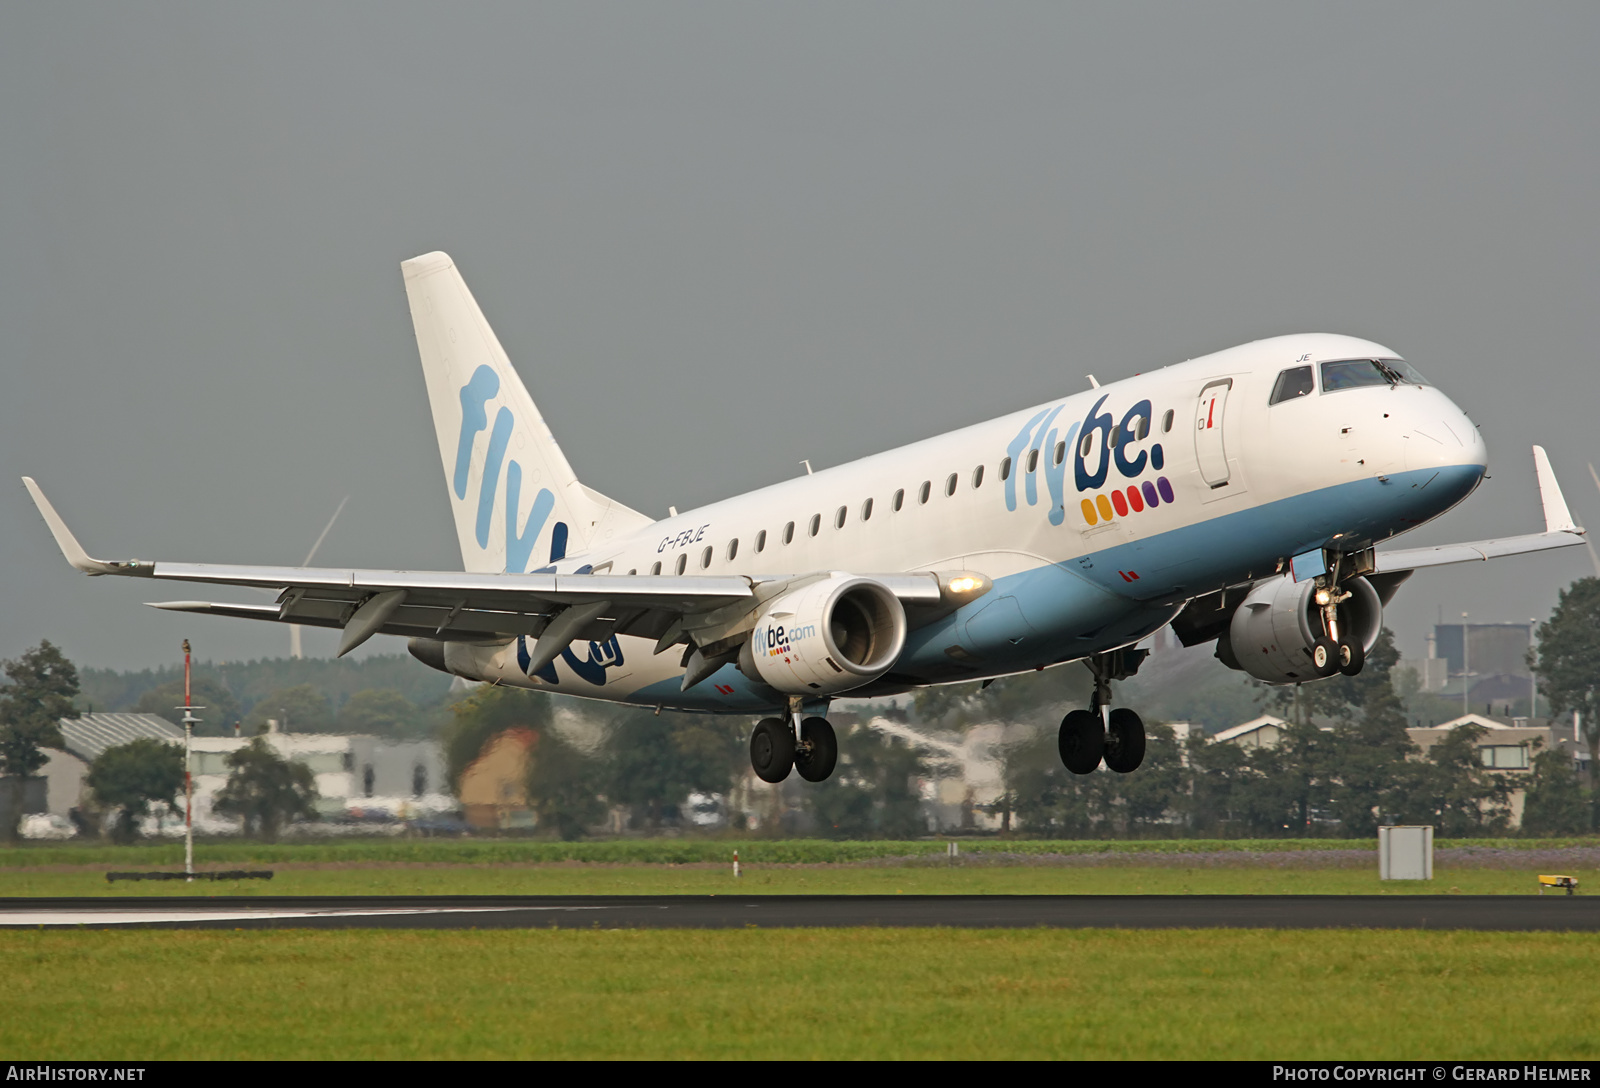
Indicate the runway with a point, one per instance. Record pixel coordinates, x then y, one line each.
1477 912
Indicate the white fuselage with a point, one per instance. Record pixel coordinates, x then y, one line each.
1207 485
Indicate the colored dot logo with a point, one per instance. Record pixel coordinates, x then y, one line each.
1135 498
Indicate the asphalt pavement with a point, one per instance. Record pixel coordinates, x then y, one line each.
1478 912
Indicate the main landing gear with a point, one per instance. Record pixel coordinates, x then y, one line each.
775 749
1090 737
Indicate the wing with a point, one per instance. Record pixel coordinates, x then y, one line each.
1559 532
457 606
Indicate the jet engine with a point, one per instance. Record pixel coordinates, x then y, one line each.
1273 630
826 637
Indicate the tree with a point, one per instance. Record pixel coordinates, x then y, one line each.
382 713
216 720
132 777
563 787
1150 795
1049 799
1555 803
653 763
1462 796
265 790
42 684
1370 758
1569 665
873 791
300 709
484 715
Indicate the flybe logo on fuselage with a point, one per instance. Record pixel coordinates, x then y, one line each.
592 670
481 388
1095 446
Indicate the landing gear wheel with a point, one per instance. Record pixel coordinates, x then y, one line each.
1325 656
1124 741
1352 655
818 751
1082 741
772 750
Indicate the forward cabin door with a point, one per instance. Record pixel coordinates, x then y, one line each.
1208 447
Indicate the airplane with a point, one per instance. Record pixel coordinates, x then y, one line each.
1240 497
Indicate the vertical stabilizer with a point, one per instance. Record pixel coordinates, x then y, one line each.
517 504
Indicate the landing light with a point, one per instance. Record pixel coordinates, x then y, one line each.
964 585
1323 596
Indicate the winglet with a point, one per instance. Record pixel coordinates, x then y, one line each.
65 540
1557 518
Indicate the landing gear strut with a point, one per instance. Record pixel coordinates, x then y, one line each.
1117 737
1335 653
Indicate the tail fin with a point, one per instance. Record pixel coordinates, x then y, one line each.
518 506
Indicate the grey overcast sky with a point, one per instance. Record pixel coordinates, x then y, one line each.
720 237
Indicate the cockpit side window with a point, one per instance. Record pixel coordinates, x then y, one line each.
1355 373
1292 383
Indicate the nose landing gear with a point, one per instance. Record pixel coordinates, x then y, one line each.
1334 652
1089 736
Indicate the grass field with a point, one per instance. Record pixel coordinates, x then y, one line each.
661 867
861 993
236 853
592 879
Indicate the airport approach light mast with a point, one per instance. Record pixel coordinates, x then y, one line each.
189 722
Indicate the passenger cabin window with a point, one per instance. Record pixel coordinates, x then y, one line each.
816 524
733 548
683 561
1033 460
950 485
655 568
1087 443
925 491
1143 430
1005 469
866 510
705 558
633 570
1061 451
788 532
899 499
761 541
1166 422
1292 383
977 477
838 518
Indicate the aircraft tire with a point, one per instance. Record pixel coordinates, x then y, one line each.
772 750
1325 656
1352 655
817 764
1082 741
1124 741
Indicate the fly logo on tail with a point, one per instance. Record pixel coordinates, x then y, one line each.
481 388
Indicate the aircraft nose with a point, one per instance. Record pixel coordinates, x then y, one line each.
1440 435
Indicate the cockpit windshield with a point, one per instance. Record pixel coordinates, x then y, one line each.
1354 373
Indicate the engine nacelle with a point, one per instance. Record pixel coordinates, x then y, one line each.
826 637
1272 631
